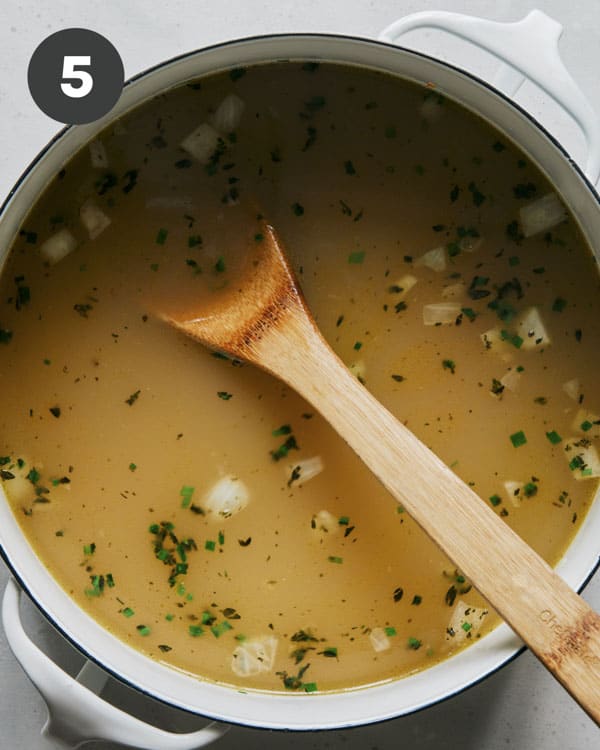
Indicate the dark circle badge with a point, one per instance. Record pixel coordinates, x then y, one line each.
75 76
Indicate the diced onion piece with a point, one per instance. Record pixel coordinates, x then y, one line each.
308 468
228 114
58 246
587 423
492 338
405 284
494 341
254 656
584 461
470 244
542 214
201 142
513 492
452 291
434 259
98 155
379 640
19 489
93 218
358 369
432 108
465 621
510 379
325 521
441 313
532 330
227 497
572 388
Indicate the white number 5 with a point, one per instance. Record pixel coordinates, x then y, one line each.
86 82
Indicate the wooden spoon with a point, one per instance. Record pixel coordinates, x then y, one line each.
268 323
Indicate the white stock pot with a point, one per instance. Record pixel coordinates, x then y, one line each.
76 712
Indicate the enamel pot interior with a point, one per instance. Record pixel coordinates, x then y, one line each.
299 712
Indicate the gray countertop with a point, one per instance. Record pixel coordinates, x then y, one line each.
519 707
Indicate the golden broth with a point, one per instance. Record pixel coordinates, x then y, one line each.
115 429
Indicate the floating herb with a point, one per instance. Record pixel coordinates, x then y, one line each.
518 439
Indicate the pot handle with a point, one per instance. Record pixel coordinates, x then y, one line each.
76 713
513 44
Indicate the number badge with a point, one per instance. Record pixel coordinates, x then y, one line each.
75 76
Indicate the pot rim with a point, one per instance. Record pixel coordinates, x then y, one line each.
288 710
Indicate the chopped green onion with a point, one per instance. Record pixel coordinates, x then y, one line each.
553 437
285 429
414 643
161 236
356 257
186 493
220 628
518 439
195 630
335 559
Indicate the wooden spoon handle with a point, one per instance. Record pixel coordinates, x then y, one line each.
556 624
